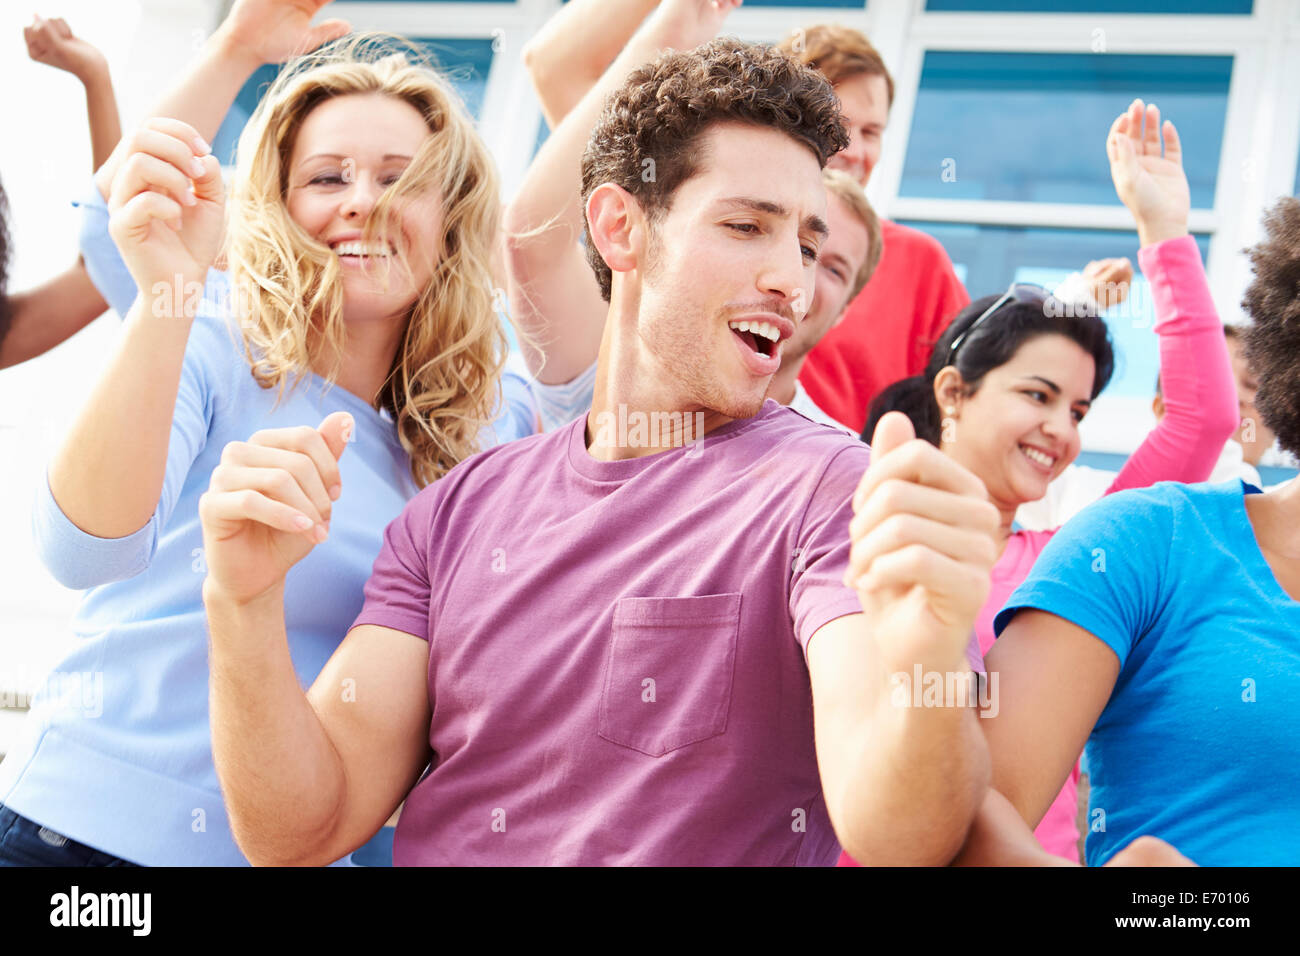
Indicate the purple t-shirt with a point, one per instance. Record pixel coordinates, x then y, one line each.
617 666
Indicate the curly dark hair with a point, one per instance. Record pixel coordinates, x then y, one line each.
1273 340
990 346
656 119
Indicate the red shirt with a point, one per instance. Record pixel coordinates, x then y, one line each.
889 330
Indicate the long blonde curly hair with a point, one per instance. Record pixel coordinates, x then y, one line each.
443 384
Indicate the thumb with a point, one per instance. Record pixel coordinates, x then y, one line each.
892 430
326 32
337 430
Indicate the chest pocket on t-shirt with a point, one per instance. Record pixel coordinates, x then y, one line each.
669 672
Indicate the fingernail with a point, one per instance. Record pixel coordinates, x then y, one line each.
335 492
196 165
302 522
201 146
188 199
321 533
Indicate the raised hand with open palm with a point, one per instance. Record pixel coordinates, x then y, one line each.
1150 180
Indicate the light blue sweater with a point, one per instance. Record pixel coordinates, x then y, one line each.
116 751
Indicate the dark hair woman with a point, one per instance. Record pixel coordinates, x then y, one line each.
1013 377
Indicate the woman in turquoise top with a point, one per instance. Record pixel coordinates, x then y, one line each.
358 242
1162 626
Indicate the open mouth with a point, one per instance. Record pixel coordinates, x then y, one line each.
356 250
760 337
1041 459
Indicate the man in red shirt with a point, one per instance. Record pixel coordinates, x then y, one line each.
889 329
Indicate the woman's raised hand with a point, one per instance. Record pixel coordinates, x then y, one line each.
1150 181
167 205
53 43
273 31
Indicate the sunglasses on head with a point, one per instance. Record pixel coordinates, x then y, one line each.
1017 292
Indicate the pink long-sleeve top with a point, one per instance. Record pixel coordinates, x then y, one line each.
1201 414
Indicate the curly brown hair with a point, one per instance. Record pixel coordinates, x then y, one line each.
1273 340
654 122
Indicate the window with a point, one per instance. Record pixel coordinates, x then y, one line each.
465 60
988 258
1241 7
1028 127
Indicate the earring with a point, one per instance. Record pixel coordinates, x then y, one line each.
950 411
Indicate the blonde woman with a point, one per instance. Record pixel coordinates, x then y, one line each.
360 227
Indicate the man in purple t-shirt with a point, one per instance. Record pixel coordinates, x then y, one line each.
604 645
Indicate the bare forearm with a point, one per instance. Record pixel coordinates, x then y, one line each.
102 115
281 777
919 776
50 314
999 836
202 98
551 192
554 299
567 57
108 474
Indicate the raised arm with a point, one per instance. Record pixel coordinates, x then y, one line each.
567 56
554 297
1195 371
902 783
307 778
52 42
47 315
254 33
167 209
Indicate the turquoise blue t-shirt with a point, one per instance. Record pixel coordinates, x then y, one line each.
1199 744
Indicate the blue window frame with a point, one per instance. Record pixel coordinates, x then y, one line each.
1030 127
1232 7
988 258
465 60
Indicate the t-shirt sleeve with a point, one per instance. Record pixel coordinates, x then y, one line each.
1105 570
557 405
103 262
397 594
80 560
517 411
817 592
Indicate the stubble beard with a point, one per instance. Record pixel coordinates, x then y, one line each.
674 342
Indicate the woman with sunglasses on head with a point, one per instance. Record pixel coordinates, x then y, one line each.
359 238
1015 374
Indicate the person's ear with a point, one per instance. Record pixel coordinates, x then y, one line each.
1158 406
949 390
614 219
